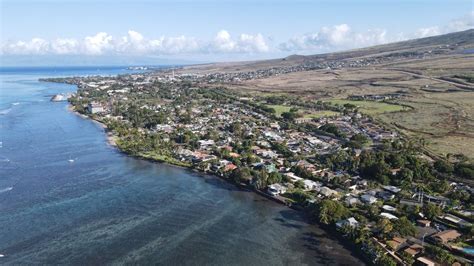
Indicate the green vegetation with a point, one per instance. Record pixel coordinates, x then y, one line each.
280 109
370 107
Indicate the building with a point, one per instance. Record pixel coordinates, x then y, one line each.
425 261
275 189
95 107
368 199
351 222
396 243
388 216
424 223
446 236
413 250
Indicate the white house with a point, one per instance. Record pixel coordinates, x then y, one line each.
275 189
351 222
368 199
327 192
310 184
95 107
388 216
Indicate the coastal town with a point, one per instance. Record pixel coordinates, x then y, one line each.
345 170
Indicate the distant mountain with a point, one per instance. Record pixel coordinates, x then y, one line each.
83 60
451 43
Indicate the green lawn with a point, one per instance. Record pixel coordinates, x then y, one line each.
279 109
371 107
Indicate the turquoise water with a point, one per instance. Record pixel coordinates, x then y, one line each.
106 207
469 250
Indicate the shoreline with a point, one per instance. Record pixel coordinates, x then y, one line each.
332 232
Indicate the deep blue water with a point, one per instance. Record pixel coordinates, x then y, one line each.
106 207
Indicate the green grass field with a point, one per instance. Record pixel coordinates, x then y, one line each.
279 109
371 107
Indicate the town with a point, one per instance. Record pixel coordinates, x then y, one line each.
348 172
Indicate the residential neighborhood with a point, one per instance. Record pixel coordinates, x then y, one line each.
346 170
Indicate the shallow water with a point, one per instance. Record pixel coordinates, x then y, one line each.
105 207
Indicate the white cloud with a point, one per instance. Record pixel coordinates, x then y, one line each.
253 43
426 32
245 43
135 43
97 44
329 38
463 23
64 46
34 46
174 45
335 37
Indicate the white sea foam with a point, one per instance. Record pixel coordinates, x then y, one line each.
5 111
15 103
6 189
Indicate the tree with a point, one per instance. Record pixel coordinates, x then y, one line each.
242 174
404 227
385 260
299 184
384 226
443 166
331 211
431 210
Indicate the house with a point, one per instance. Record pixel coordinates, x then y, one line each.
389 208
327 192
301 120
446 236
396 243
456 220
351 222
310 184
425 262
351 201
388 216
424 223
368 199
275 189
392 189
385 195
95 107
230 167
206 143
293 177
413 250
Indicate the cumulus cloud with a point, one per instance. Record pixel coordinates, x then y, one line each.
135 43
335 37
329 38
245 43
463 23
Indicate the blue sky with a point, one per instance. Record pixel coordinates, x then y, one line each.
216 30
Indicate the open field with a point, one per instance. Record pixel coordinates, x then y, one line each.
371 107
442 113
280 109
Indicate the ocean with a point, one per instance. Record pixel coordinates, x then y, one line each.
67 197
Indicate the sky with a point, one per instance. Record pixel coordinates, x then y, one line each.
162 32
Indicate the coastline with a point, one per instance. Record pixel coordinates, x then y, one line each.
332 232
109 136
